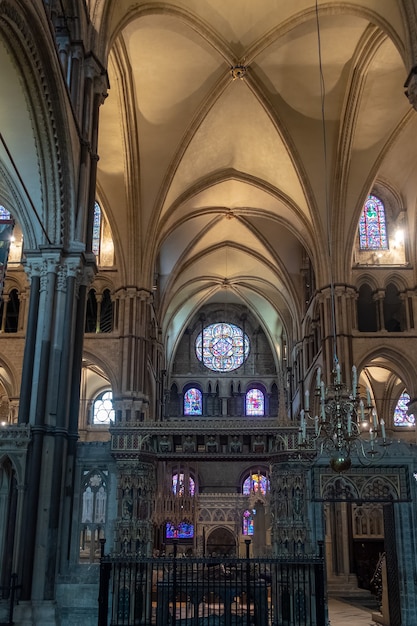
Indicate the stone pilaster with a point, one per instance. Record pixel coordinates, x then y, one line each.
136 493
290 527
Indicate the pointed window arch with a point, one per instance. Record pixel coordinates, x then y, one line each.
401 417
373 226
367 309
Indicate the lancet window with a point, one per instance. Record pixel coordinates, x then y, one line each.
372 225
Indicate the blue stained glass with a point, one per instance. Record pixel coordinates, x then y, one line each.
255 483
222 347
401 418
247 522
372 226
96 229
193 402
4 213
255 402
178 485
184 530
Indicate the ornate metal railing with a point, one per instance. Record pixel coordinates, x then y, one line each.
173 591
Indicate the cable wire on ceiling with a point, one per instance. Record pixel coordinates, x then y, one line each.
326 180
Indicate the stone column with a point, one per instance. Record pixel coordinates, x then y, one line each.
5 298
136 347
379 297
48 371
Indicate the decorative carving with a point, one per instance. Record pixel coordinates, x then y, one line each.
238 71
188 444
164 444
289 529
211 444
136 488
386 485
235 445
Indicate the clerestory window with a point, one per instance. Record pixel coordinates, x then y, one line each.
372 225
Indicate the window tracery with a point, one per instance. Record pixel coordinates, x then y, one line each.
103 411
93 514
222 347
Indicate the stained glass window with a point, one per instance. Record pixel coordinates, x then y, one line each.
184 530
103 410
372 225
401 418
255 402
222 347
193 402
247 522
4 213
255 483
178 485
96 229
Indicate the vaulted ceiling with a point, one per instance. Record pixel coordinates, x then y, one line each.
240 138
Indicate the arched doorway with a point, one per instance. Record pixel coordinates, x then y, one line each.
221 541
360 535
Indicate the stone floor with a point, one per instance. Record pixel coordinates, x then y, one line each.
347 614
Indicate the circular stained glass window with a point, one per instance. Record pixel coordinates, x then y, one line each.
222 347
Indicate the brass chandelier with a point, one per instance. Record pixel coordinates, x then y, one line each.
344 423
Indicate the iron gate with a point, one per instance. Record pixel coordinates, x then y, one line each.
175 591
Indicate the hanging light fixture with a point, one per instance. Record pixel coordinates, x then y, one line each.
344 423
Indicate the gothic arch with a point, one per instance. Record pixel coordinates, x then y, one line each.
340 488
9 377
377 488
392 360
48 131
221 540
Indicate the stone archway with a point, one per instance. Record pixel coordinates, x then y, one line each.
221 541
